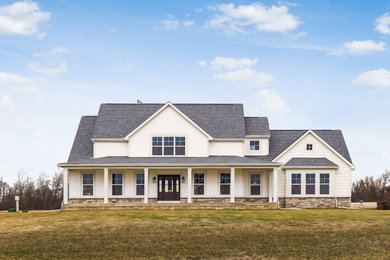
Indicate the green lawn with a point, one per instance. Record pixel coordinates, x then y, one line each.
345 234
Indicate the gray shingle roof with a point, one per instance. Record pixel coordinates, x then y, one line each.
280 140
218 120
211 160
310 162
256 126
82 146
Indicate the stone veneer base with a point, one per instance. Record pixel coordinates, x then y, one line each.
314 202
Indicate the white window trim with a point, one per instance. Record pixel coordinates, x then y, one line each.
93 185
315 184
135 184
111 186
317 173
219 185
174 145
254 140
193 185
250 185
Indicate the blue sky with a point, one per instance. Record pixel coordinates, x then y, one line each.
304 64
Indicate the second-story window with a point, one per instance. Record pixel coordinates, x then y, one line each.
254 145
157 145
168 145
309 147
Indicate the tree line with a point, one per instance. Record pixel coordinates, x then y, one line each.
44 193
373 189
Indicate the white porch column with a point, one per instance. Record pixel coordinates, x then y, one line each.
189 185
105 185
65 187
275 182
232 184
146 185
270 187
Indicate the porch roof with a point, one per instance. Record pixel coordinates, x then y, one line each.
310 162
174 161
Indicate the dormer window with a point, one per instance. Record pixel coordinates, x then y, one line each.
254 145
168 145
309 147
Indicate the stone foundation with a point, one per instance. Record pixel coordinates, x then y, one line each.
312 202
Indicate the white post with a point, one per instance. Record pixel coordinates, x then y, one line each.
232 184
275 182
17 203
189 185
105 185
65 187
270 179
146 185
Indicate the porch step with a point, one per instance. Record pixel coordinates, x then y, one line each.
169 206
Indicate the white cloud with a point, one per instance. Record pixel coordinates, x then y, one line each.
25 89
48 71
383 24
170 23
359 48
14 78
6 103
41 36
247 75
380 78
287 3
188 23
202 63
232 63
51 52
272 102
270 19
21 18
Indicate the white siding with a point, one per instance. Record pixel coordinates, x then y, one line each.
169 123
342 177
102 149
227 148
264 146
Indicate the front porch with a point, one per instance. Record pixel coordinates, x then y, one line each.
171 187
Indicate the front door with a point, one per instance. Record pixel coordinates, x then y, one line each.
168 187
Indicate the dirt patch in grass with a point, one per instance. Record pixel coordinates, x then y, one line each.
311 234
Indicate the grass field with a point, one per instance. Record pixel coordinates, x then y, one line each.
345 234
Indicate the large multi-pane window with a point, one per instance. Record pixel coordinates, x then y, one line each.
254 145
87 184
198 183
310 183
224 183
296 183
255 184
324 183
117 183
140 184
168 145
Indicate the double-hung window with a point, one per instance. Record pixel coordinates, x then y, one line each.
180 145
168 145
324 183
254 145
296 183
198 183
310 183
87 184
224 183
255 184
140 184
157 145
117 182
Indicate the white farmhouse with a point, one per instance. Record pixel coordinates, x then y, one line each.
143 154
